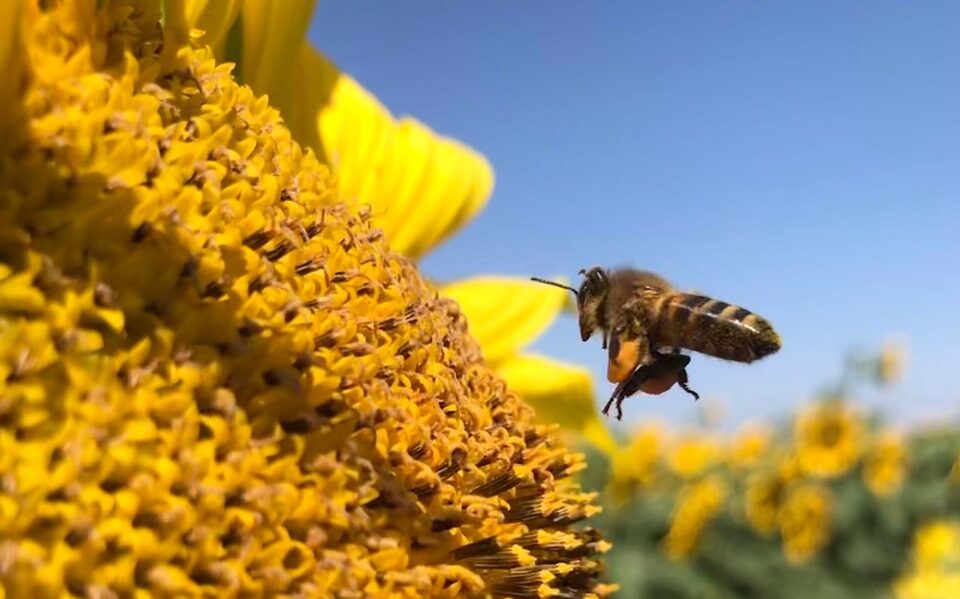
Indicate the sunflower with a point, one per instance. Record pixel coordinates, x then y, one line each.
635 465
891 363
884 464
696 506
934 571
421 187
804 521
217 379
828 438
766 493
748 446
693 454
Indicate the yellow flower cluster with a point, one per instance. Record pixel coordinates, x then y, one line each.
776 484
215 377
935 571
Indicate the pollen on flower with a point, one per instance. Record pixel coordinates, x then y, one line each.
217 379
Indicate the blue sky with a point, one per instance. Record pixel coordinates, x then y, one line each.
801 159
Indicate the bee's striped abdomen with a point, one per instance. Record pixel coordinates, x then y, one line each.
716 328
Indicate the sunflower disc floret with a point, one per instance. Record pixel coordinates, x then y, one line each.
215 377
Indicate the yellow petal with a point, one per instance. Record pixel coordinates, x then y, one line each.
505 314
313 78
422 187
560 394
273 33
10 34
176 28
214 17
11 65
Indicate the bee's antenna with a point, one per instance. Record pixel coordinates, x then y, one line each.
555 284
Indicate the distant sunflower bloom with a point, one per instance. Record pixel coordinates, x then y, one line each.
884 464
693 454
764 498
421 187
748 446
828 438
891 363
935 566
804 521
216 378
634 466
696 506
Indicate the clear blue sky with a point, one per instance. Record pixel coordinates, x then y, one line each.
801 159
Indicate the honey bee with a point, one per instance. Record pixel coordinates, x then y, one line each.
645 323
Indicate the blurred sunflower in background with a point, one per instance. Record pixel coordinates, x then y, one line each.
828 437
421 187
804 521
697 504
748 446
885 463
934 572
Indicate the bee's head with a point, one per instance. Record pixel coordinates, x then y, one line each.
591 298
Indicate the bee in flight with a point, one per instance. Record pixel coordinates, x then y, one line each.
645 323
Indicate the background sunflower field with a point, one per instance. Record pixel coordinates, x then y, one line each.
831 502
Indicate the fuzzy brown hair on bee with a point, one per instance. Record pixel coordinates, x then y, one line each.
645 321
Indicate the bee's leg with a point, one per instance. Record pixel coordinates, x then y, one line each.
662 365
619 395
682 380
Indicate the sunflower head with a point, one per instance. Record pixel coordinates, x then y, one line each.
934 571
217 378
748 446
828 438
693 454
885 464
697 505
635 465
804 521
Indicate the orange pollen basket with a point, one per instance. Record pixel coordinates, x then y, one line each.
659 385
626 360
